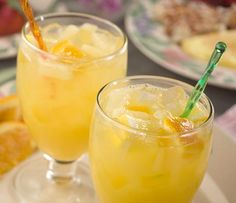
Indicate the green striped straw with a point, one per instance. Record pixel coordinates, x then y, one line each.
201 84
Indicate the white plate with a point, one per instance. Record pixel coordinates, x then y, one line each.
8 88
150 39
8 46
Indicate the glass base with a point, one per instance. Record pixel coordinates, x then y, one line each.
32 185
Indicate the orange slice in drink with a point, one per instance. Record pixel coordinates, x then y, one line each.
15 144
9 108
178 124
66 48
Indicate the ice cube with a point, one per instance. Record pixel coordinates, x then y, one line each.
69 32
54 69
132 98
115 102
161 114
104 41
134 119
142 98
174 100
53 29
91 51
199 114
50 33
85 33
100 40
140 120
89 27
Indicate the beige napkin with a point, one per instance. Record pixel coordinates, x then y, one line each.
227 122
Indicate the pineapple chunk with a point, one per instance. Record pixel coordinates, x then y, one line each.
201 46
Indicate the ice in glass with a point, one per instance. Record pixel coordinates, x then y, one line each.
141 150
57 90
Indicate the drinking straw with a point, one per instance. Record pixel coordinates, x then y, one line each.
202 82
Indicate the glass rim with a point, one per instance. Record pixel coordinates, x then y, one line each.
146 132
44 17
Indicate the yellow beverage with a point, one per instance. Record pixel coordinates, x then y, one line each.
141 150
57 90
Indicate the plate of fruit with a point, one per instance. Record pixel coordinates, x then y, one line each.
15 142
180 35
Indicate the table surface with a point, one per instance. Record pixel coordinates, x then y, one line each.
139 64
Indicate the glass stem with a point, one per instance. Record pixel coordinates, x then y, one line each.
60 171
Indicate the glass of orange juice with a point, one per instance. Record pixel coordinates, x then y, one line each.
57 91
141 150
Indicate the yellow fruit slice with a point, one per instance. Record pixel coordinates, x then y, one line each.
9 108
15 144
66 48
201 46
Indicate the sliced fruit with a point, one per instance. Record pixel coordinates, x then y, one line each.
15 144
66 48
9 108
200 47
178 124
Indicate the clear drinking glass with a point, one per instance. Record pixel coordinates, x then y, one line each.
57 95
131 165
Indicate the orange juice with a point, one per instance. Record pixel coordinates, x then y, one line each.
141 151
57 89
